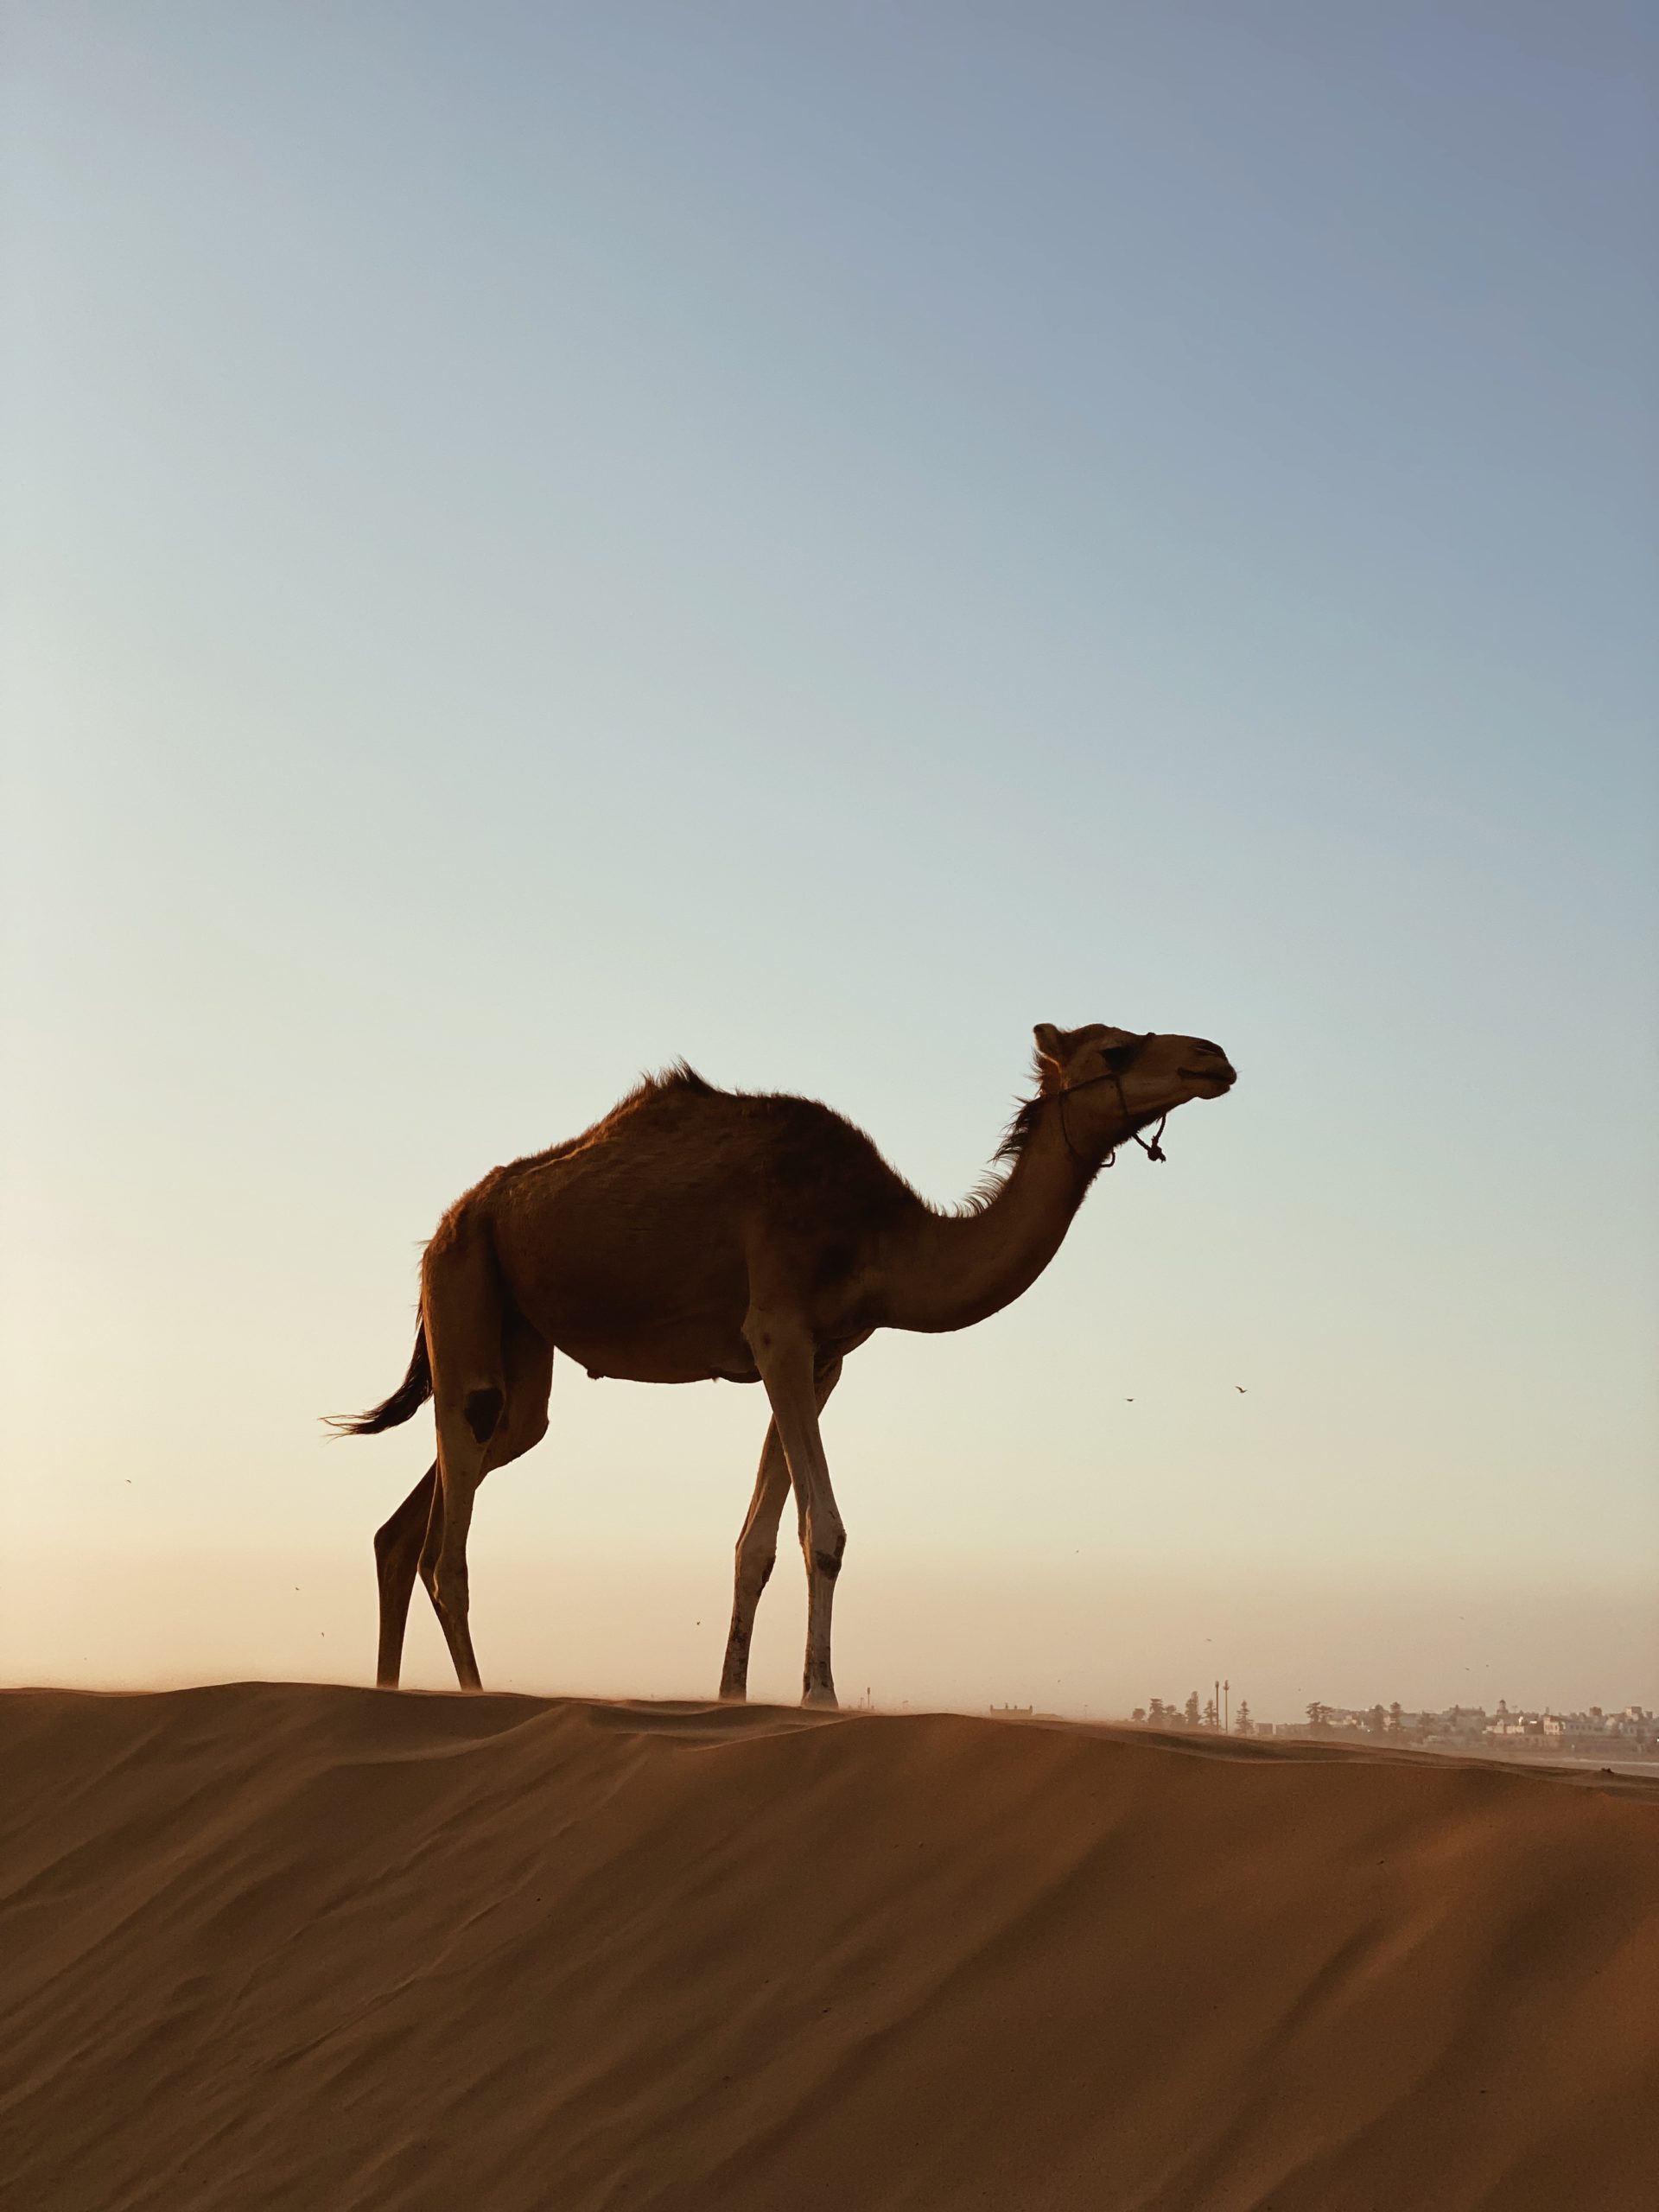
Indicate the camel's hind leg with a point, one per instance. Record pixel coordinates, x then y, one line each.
397 1555
757 1547
462 1309
492 1376
457 1633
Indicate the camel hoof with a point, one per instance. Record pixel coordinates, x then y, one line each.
822 1700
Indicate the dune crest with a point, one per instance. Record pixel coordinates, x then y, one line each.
267 1945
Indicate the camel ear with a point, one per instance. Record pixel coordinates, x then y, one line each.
1051 1046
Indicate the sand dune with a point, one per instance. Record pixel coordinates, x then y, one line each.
274 1945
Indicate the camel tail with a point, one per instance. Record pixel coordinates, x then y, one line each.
405 1403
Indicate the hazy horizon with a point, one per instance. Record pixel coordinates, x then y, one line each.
919 1633
538 542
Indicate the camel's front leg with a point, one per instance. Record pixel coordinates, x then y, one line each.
757 1547
783 1353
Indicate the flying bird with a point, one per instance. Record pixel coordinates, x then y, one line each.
1239 1387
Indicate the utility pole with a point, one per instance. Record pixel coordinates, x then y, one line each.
1217 1691
1226 1708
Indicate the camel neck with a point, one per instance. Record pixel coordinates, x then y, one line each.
954 1269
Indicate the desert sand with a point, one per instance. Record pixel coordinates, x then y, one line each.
267 1945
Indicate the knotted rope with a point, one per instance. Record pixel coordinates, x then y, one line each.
1153 1150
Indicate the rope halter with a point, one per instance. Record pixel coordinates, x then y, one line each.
1153 1149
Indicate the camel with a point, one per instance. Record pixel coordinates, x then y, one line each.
697 1234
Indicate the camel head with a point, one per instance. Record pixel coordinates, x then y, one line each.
1115 1081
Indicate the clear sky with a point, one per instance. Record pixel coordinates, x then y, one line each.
542 538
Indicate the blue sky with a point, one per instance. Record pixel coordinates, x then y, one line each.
541 539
